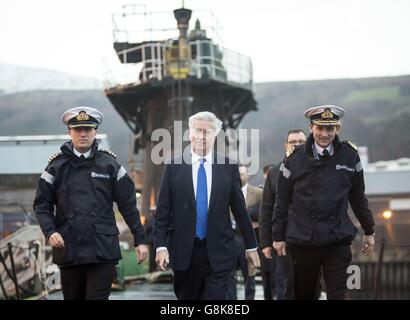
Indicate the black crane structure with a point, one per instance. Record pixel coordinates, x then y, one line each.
168 80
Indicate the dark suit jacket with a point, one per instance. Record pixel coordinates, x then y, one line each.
268 203
175 218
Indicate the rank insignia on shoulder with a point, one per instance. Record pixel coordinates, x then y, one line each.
112 154
54 156
351 145
289 151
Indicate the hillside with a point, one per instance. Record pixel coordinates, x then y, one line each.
39 112
16 78
378 114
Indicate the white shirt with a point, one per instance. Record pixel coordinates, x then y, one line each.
196 162
79 154
318 150
245 191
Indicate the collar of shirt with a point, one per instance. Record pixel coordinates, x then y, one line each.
79 154
319 149
208 171
245 190
196 158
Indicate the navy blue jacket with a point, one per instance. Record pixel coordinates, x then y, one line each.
75 198
311 207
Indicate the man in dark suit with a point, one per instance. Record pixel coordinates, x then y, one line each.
253 198
281 264
192 228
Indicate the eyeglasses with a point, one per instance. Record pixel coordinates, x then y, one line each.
296 142
200 132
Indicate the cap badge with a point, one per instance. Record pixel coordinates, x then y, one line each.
327 114
82 116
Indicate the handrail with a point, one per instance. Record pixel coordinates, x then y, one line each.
209 60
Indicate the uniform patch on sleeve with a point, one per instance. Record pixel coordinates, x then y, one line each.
285 171
121 173
47 177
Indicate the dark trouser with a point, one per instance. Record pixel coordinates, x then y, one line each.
282 274
268 284
199 281
276 277
152 263
249 281
249 284
87 281
267 274
307 262
250 288
232 292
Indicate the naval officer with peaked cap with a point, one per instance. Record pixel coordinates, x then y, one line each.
316 183
74 206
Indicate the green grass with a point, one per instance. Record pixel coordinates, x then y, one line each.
383 93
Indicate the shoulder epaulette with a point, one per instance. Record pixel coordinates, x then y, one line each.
351 145
289 151
112 154
54 156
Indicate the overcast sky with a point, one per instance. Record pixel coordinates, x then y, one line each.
286 39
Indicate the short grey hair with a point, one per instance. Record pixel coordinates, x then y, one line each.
206 115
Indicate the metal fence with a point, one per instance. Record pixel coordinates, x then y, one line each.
386 276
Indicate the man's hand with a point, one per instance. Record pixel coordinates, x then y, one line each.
162 259
368 245
253 258
267 252
56 240
141 251
280 247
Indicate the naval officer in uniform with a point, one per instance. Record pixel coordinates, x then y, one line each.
74 206
316 183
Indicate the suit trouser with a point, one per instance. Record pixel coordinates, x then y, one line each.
87 281
306 264
199 281
249 285
276 277
248 273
